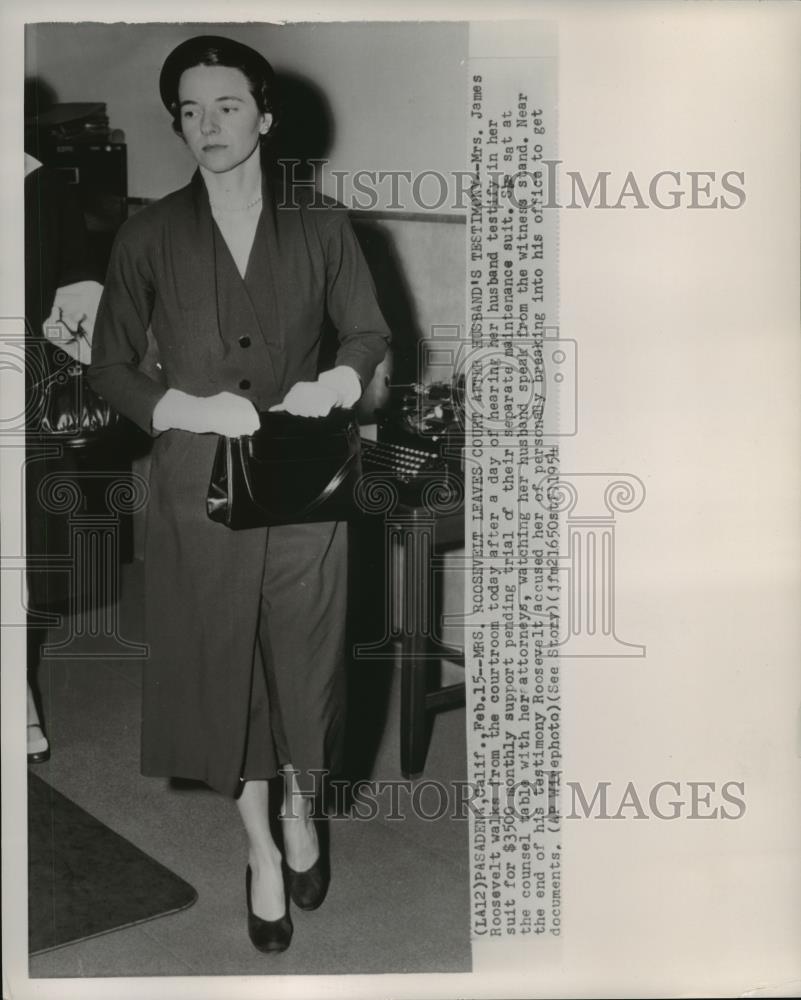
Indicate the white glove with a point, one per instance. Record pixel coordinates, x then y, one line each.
338 387
224 413
72 320
345 382
308 399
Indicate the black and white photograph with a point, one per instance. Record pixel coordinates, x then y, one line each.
400 544
199 290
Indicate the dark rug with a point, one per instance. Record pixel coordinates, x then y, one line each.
84 879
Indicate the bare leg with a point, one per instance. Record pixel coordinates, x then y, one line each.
267 891
37 741
300 835
33 715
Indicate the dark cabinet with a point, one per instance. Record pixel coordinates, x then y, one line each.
98 173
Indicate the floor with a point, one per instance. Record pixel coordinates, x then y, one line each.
398 900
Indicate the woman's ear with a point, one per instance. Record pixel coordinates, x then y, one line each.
176 123
266 123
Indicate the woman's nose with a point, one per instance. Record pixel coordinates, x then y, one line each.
208 123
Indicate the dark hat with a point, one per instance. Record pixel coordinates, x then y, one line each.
213 50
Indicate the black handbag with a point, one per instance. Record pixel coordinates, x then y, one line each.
293 470
69 409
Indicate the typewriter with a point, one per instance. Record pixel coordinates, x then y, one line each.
420 439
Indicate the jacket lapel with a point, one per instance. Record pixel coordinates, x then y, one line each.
243 307
261 276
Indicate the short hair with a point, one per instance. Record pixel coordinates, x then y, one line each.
214 50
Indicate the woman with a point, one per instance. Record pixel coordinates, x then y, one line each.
246 629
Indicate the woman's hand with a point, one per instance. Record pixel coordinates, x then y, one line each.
230 415
224 413
308 399
338 387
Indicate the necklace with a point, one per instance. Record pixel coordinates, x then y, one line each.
236 208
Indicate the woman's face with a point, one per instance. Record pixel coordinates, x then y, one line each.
220 119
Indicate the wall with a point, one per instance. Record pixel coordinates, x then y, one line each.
384 116
418 268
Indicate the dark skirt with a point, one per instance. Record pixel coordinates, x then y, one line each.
245 671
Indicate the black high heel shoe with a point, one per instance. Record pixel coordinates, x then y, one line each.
308 889
267 935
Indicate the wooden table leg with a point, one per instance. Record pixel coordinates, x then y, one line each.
417 594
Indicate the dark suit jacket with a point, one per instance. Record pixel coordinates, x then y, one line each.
171 269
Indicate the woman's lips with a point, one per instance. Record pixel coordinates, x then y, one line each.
211 147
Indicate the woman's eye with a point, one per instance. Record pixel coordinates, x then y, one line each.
187 114
229 109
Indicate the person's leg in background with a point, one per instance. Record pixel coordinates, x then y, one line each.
38 744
